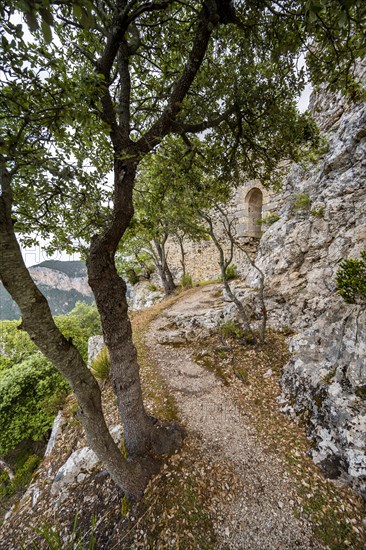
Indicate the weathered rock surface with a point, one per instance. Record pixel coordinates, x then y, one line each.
95 345
300 254
77 467
144 294
63 284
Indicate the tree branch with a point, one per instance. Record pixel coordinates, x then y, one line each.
208 19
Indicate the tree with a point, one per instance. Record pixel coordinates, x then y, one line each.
120 78
168 190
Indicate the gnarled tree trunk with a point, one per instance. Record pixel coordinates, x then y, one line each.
37 320
163 268
142 434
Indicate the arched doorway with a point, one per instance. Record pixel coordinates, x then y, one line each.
253 204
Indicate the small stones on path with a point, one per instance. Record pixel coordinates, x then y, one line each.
261 513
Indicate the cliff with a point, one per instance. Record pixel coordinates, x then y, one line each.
62 283
321 221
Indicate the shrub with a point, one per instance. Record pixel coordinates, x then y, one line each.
269 219
15 344
230 330
302 202
186 281
87 318
30 395
351 280
81 323
318 212
132 276
22 477
101 365
231 272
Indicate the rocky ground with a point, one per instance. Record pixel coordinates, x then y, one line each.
243 478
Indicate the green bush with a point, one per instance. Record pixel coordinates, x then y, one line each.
132 276
318 212
15 344
81 323
186 281
302 202
351 280
22 477
100 367
269 219
230 330
231 272
30 395
87 318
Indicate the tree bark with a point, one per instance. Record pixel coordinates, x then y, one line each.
110 295
163 268
142 433
182 254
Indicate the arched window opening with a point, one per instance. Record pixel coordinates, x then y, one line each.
254 202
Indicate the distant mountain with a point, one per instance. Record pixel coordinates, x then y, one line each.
62 283
74 269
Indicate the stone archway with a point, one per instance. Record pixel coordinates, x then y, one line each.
253 207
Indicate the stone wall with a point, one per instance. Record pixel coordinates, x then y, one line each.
250 202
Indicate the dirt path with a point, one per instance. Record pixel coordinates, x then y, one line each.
262 516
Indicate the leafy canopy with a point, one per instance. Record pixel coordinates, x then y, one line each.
30 395
72 91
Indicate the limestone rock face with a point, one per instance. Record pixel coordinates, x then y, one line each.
57 279
144 294
322 220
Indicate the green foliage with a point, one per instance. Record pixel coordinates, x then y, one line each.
31 390
249 338
79 325
125 507
134 262
338 29
229 329
87 318
318 212
351 280
152 287
30 395
269 219
186 281
132 276
78 540
302 202
15 344
231 272
100 367
22 477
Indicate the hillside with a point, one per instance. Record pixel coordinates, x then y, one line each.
63 284
243 476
